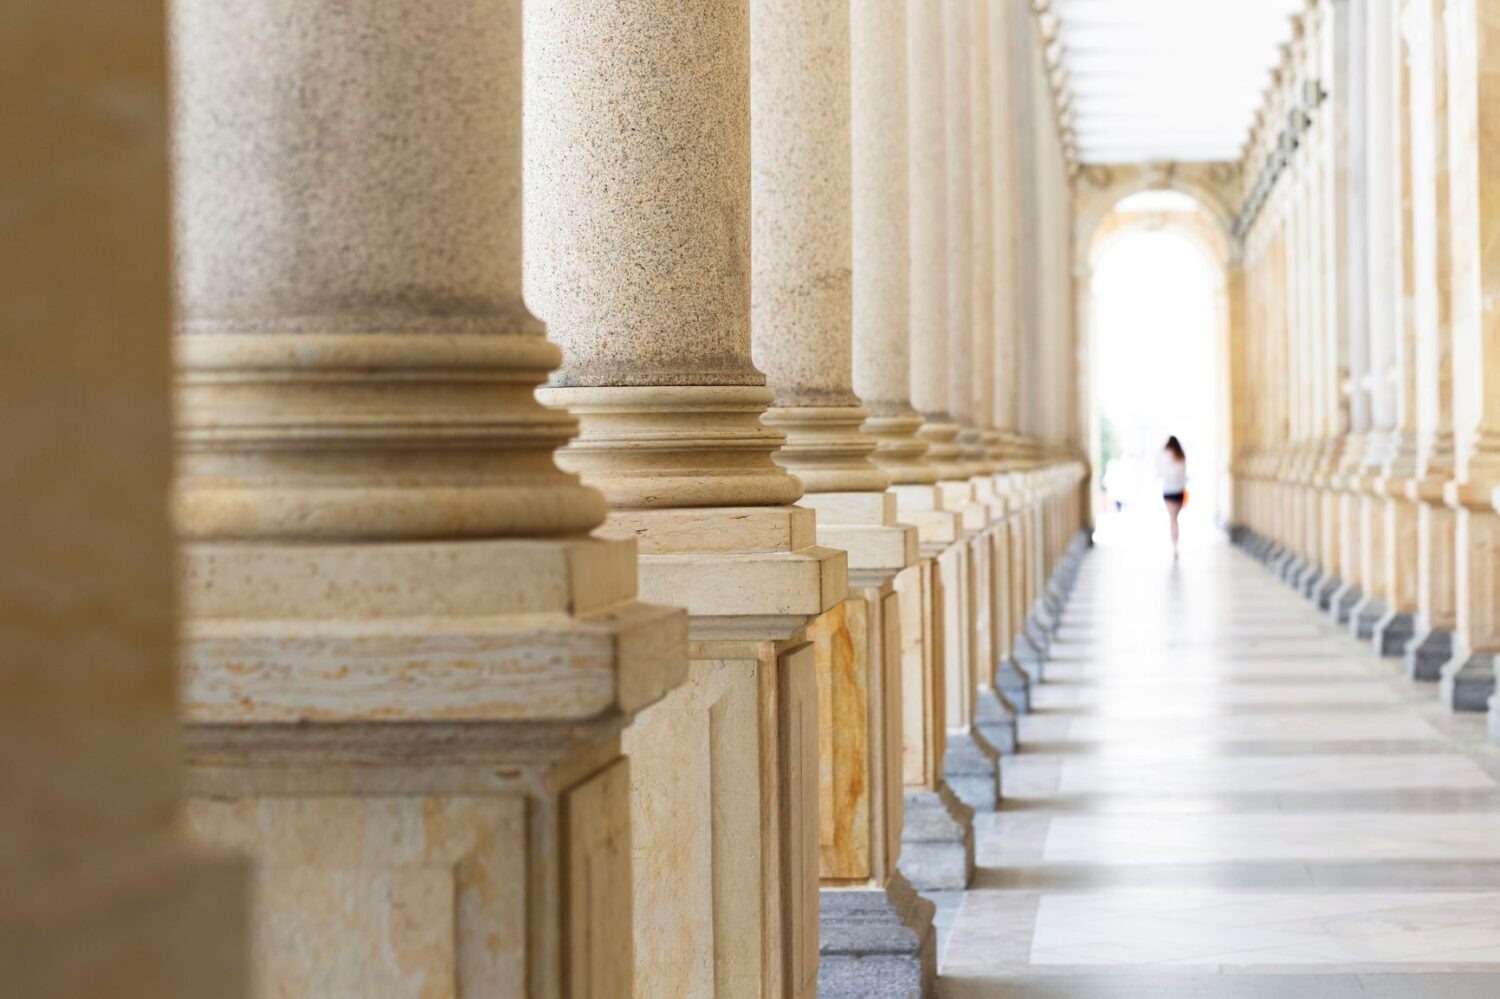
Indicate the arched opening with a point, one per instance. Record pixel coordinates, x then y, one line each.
1155 302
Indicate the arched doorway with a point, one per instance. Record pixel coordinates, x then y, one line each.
1154 296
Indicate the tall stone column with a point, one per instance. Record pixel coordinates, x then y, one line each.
1007 146
1382 213
638 220
958 137
801 333
1003 690
1351 170
1397 627
1432 247
936 847
102 896
1473 45
969 769
407 662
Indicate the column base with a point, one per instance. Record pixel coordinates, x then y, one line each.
1312 582
995 718
1037 632
1014 683
1393 633
1364 616
937 840
1029 657
877 943
1321 591
1468 682
1427 653
1292 568
971 767
1343 601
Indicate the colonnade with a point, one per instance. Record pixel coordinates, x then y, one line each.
624 487
1366 363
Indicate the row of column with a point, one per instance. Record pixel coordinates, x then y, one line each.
1367 472
612 546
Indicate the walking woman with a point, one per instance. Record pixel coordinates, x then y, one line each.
1172 466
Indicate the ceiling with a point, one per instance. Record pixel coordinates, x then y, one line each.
1159 80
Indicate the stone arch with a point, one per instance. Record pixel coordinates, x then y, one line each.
1100 188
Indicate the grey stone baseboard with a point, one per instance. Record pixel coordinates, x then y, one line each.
1311 581
1393 633
1426 655
1365 616
995 717
1344 600
937 840
1468 682
1321 591
971 767
876 942
1014 682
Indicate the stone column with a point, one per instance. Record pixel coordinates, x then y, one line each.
1352 253
102 896
1432 248
1473 45
1381 208
801 332
638 230
407 662
931 286
936 847
1396 628
1004 686
958 118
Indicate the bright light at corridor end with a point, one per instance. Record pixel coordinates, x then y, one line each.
1168 80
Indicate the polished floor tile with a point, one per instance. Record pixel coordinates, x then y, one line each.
1220 793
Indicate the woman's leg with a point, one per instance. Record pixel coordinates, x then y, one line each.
1173 509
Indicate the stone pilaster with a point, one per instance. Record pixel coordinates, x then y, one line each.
639 233
102 895
407 663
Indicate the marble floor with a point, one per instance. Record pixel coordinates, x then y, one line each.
1222 794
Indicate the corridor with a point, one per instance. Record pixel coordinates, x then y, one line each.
1221 794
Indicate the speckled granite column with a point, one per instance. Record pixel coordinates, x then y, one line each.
1432 645
407 664
638 230
982 230
102 897
638 254
801 241
929 235
1473 43
929 852
959 165
941 286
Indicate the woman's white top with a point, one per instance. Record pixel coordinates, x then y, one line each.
1173 474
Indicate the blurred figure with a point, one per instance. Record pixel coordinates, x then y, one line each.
1171 465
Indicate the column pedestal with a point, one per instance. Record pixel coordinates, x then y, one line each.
724 801
937 830
877 943
937 840
431 730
